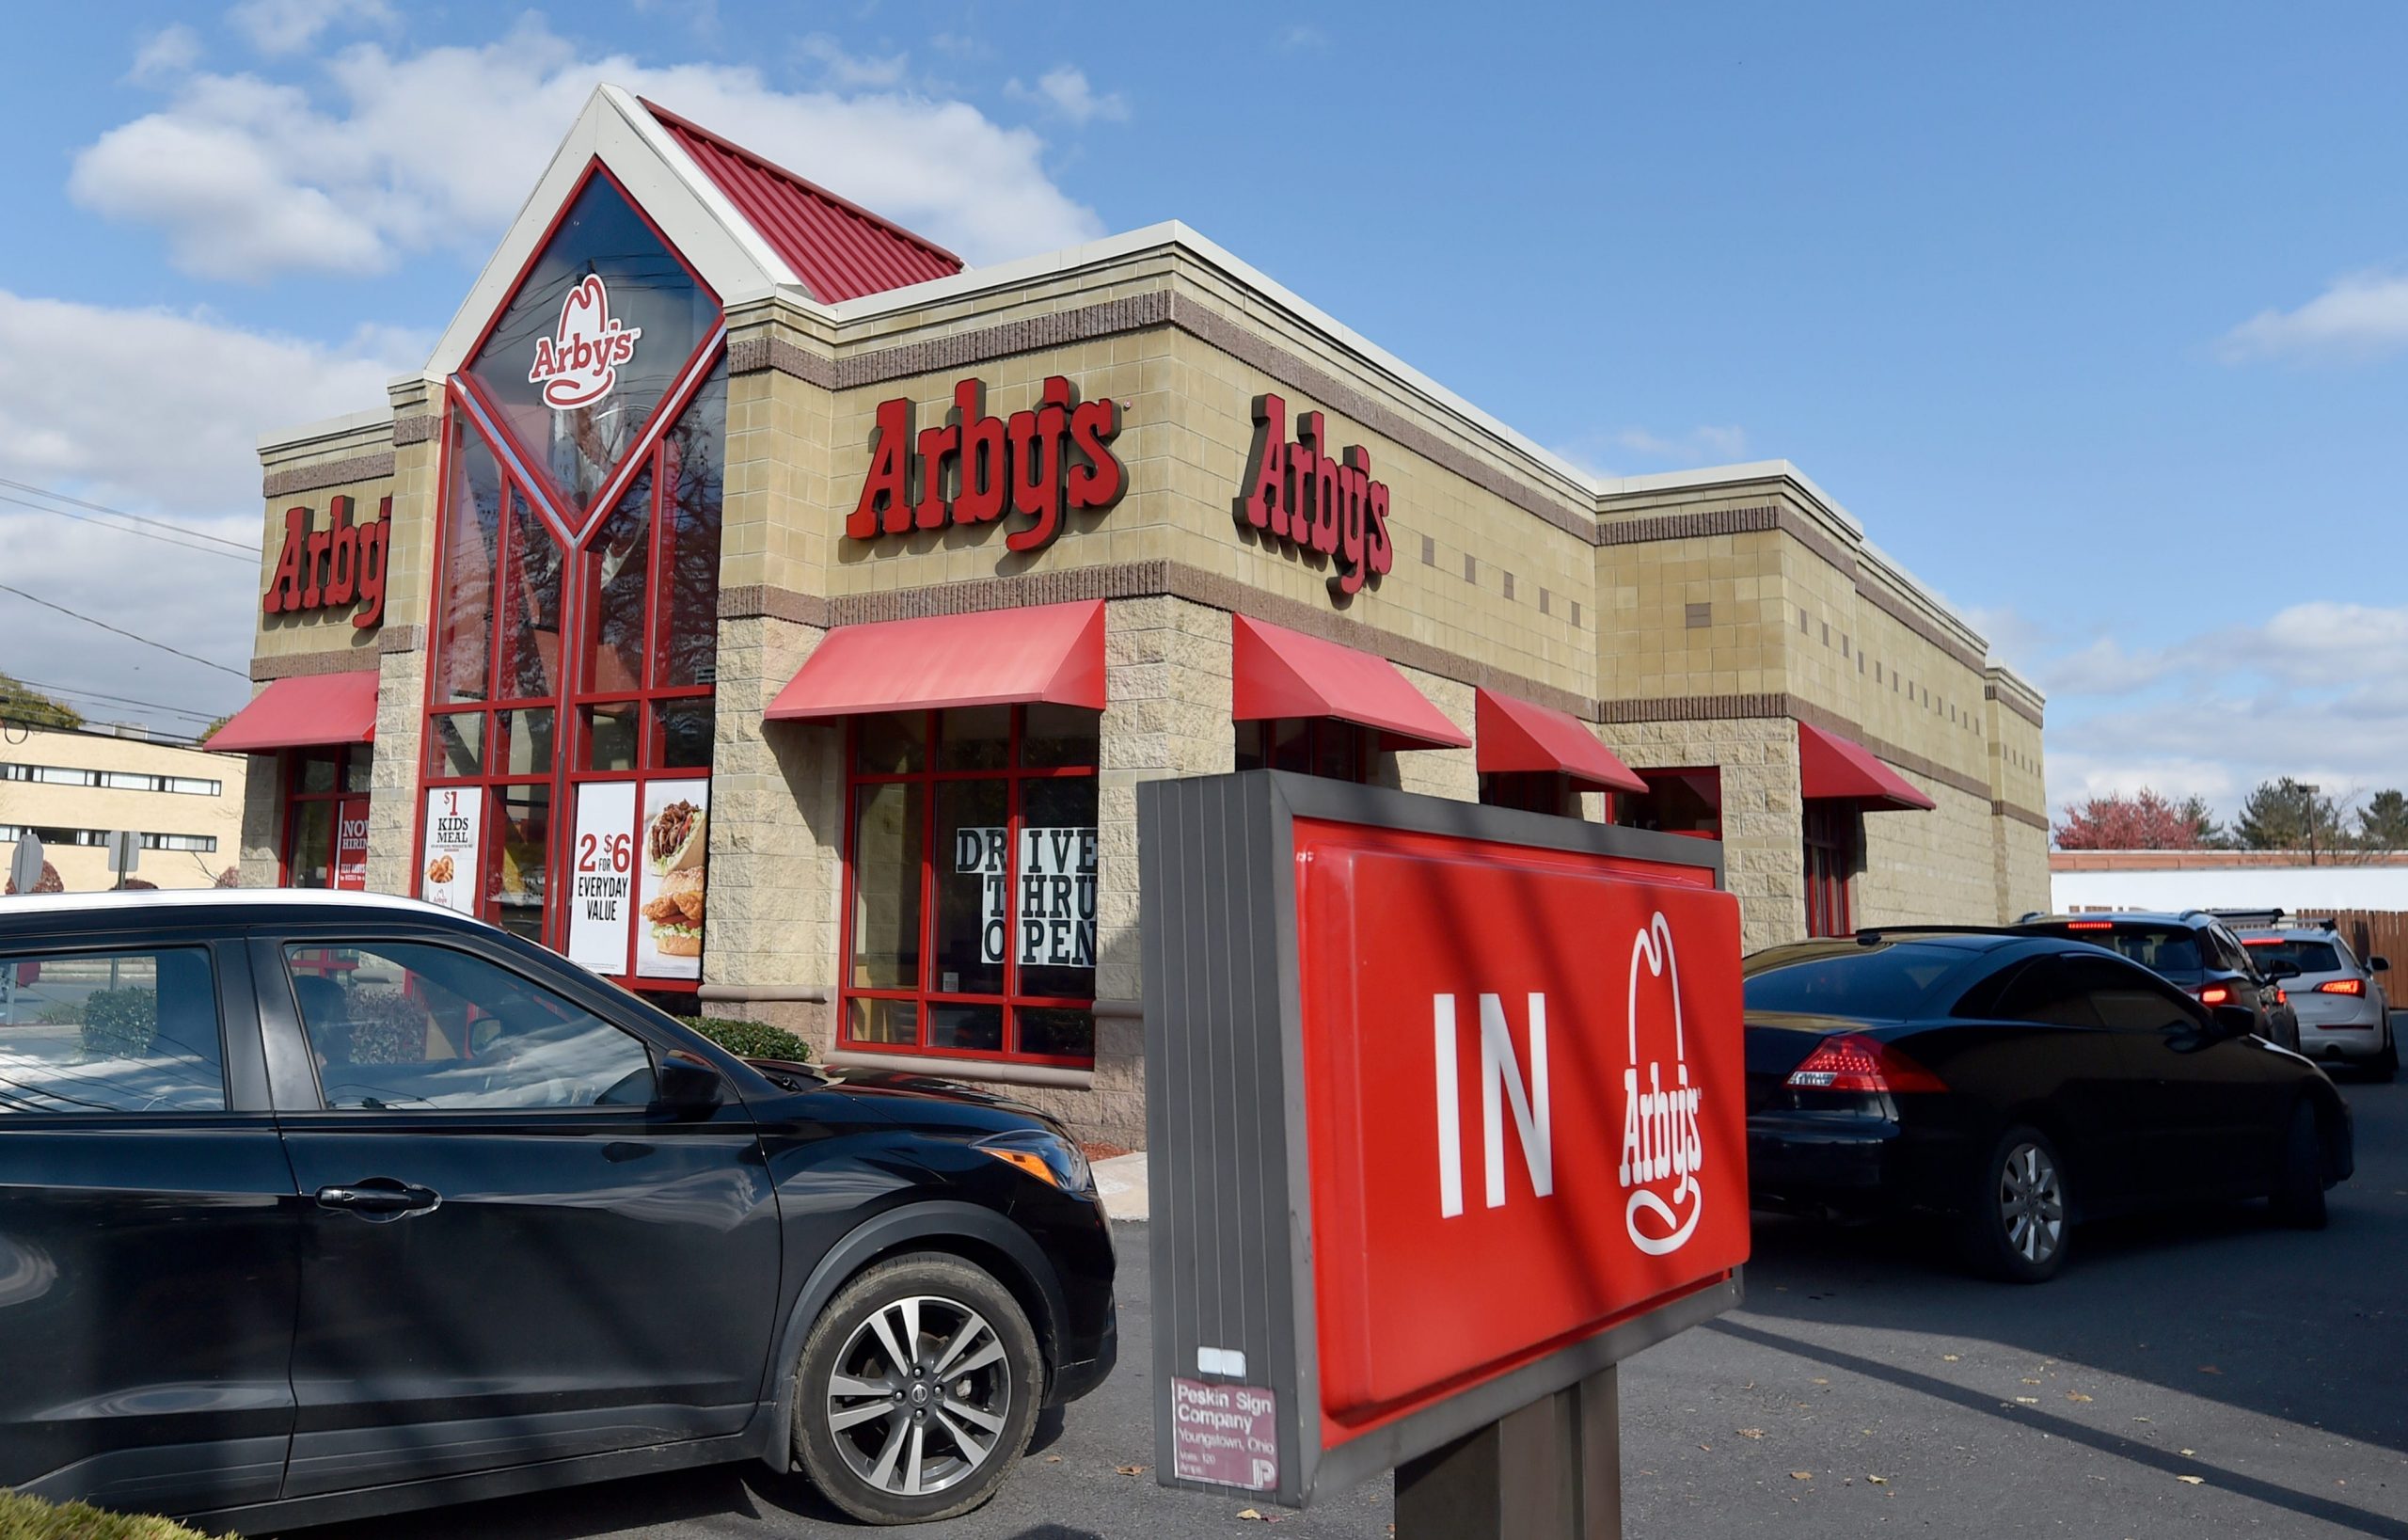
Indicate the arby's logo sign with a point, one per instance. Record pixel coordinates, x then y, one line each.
1660 1148
332 568
1315 499
975 467
579 364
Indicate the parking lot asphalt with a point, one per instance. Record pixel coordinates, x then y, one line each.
2187 1375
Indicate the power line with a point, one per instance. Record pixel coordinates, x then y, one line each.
120 512
120 631
114 700
164 540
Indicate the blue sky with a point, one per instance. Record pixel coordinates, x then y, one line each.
2097 317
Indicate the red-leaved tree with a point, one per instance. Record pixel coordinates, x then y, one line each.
2142 821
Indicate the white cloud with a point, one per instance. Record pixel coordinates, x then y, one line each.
2361 316
1612 452
1299 37
158 413
851 71
2317 690
288 27
1063 90
162 409
437 149
168 52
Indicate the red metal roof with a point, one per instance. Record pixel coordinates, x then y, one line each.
1521 735
304 712
1831 766
839 250
1280 673
1054 652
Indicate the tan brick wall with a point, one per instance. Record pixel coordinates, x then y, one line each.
1763 811
393 796
1924 868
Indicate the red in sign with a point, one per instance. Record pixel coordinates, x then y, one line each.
1525 1077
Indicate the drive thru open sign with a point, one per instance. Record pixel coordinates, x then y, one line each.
1446 1114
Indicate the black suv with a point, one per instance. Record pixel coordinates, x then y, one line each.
2193 950
319 1205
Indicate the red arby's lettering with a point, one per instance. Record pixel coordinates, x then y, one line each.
579 364
975 467
1314 499
334 567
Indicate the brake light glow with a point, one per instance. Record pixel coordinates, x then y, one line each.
2215 995
2342 986
2282 995
2264 940
2090 925
1855 1063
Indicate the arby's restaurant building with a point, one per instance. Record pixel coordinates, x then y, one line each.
776 615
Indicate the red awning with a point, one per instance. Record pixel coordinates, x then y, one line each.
1831 766
303 713
1517 735
1279 673
1052 652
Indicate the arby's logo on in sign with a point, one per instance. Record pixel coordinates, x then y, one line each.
579 364
1660 1148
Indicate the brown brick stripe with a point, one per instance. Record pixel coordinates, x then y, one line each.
2021 815
416 430
311 478
2014 703
296 665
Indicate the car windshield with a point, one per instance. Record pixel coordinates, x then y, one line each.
2306 956
2157 948
1893 982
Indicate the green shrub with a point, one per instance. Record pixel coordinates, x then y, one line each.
30 1519
119 1024
750 1039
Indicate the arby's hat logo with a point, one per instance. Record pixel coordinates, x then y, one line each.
579 364
1660 1148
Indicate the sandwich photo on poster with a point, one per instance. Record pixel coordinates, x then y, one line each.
675 839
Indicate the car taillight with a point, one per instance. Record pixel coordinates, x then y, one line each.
2342 986
2215 994
2282 995
1854 1062
2090 925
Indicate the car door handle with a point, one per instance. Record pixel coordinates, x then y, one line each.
380 1198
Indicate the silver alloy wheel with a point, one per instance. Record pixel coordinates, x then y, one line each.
919 1396
2031 1203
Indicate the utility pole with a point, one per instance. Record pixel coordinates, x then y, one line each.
2310 792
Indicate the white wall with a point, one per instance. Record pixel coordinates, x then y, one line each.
2234 887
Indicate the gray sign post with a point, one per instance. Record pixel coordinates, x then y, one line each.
24 866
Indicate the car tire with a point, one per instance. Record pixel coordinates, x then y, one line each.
896 1444
2018 1224
2299 1176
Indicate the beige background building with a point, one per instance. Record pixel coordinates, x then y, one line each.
1693 621
72 790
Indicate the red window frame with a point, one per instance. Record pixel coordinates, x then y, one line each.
580 610
1830 836
291 768
925 781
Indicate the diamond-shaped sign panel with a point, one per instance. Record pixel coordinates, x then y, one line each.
599 330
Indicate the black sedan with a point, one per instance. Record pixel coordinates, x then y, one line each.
316 1205
2013 1086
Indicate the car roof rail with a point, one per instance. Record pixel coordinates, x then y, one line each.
2249 916
2030 915
1869 935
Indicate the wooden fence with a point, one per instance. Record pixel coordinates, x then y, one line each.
2372 932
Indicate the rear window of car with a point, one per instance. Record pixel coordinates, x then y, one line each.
1900 981
2306 956
2157 948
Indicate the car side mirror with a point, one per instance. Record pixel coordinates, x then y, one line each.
2378 964
686 1083
2234 1021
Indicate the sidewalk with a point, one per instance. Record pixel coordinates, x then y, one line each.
1121 1183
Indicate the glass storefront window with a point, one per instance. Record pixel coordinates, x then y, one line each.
614 662
473 523
325 822
972 883
610 736
1311 745
455 744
